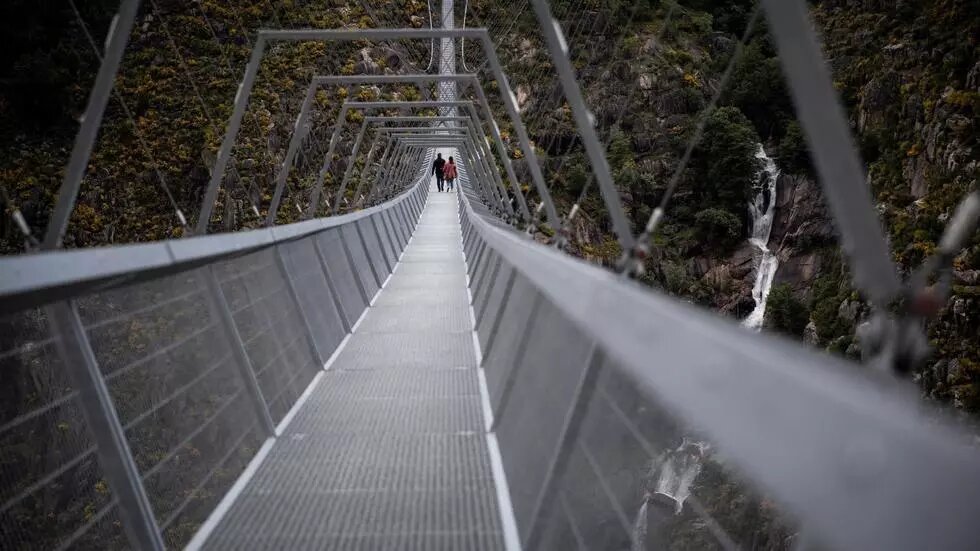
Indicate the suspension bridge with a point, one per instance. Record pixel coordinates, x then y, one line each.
414 371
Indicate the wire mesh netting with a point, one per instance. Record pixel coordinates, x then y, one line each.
171 374
592 462
270 326
166 349
54 495
653 104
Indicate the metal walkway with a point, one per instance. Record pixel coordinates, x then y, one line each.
389 449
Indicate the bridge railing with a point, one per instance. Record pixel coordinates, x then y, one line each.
139 381
629 420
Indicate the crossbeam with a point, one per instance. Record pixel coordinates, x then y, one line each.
266 36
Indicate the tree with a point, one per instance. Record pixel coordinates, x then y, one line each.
725 164
730 16
785 313
792 156
758 90
718 228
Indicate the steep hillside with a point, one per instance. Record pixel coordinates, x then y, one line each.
173 97
910 78
910 74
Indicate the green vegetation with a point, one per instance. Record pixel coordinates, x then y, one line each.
784 312
828 292
792 154
725 161
719 227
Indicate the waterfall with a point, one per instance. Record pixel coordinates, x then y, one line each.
673 473
678 469
761 209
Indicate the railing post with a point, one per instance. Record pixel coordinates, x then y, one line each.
381 244
486 160
510 103
472 168
352 160
344 316
373 188
365 171
291 288
350 261
116 459
91 122
394 162
243 363
485 297
594 149
835 157
482 170
234 124
568 436
398 171
327 160
518 359
404 170
490 192
300 131
501 149
367 254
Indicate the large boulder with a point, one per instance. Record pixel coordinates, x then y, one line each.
366 65
810 335
742 261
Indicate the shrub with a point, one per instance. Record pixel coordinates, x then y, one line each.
676 278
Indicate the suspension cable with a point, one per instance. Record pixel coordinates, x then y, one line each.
432 41
618 121
642 242
129 115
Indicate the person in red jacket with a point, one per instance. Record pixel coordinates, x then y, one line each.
450 174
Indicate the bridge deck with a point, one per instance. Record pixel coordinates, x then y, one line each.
389 450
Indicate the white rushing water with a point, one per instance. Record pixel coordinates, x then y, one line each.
761 210
675 471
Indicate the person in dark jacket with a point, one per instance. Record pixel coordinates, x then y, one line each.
450 174
437 168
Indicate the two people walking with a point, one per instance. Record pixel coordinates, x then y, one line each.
445 173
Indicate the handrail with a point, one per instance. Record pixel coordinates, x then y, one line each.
31 280
854 455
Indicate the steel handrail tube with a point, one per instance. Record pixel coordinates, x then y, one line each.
37 279
827 440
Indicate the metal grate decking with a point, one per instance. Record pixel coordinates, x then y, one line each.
389 450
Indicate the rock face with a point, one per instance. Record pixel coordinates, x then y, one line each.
877 96
802 224
523 95
802 219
